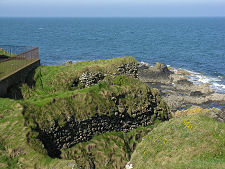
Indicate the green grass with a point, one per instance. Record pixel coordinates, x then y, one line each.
52 98
109 150
50 79
14 150
194 141
85 103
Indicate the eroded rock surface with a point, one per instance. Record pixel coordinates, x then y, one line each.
73 132
177 90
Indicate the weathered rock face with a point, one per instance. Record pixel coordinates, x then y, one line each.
128 69
88 78
159 73
74 131
177 90
121 117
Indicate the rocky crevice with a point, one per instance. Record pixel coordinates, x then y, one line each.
73 132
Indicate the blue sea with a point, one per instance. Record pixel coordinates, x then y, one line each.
194 44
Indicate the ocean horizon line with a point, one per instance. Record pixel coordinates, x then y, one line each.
112 16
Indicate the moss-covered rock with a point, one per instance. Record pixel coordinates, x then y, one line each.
109 150
89 98
99 107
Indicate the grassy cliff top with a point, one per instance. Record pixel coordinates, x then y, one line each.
54 98
189 140
56 95
131 94
50 79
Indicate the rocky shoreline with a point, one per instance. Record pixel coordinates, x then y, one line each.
173 86
95 114
176 89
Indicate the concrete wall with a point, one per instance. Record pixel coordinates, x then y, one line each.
17 77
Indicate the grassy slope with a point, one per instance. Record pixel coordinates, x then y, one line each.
14 150
113 147
84 103
51 79
54 98
55 82
175 144
110 150
193 141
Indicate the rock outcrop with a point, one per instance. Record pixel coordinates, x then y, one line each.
88 78
128 69
73 132
159 73
177 90
104 102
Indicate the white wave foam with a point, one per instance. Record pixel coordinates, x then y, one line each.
144 63
73 61
215 82
198 78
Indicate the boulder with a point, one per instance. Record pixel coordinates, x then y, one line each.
196 93
159 73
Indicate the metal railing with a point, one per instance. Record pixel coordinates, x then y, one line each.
13 58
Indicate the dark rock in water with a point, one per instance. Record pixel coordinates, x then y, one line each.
142 66
158 73
161 69
196 93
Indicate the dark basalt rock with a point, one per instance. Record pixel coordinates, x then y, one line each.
128 69
196 93
90 78
184 82
73 132
159 72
